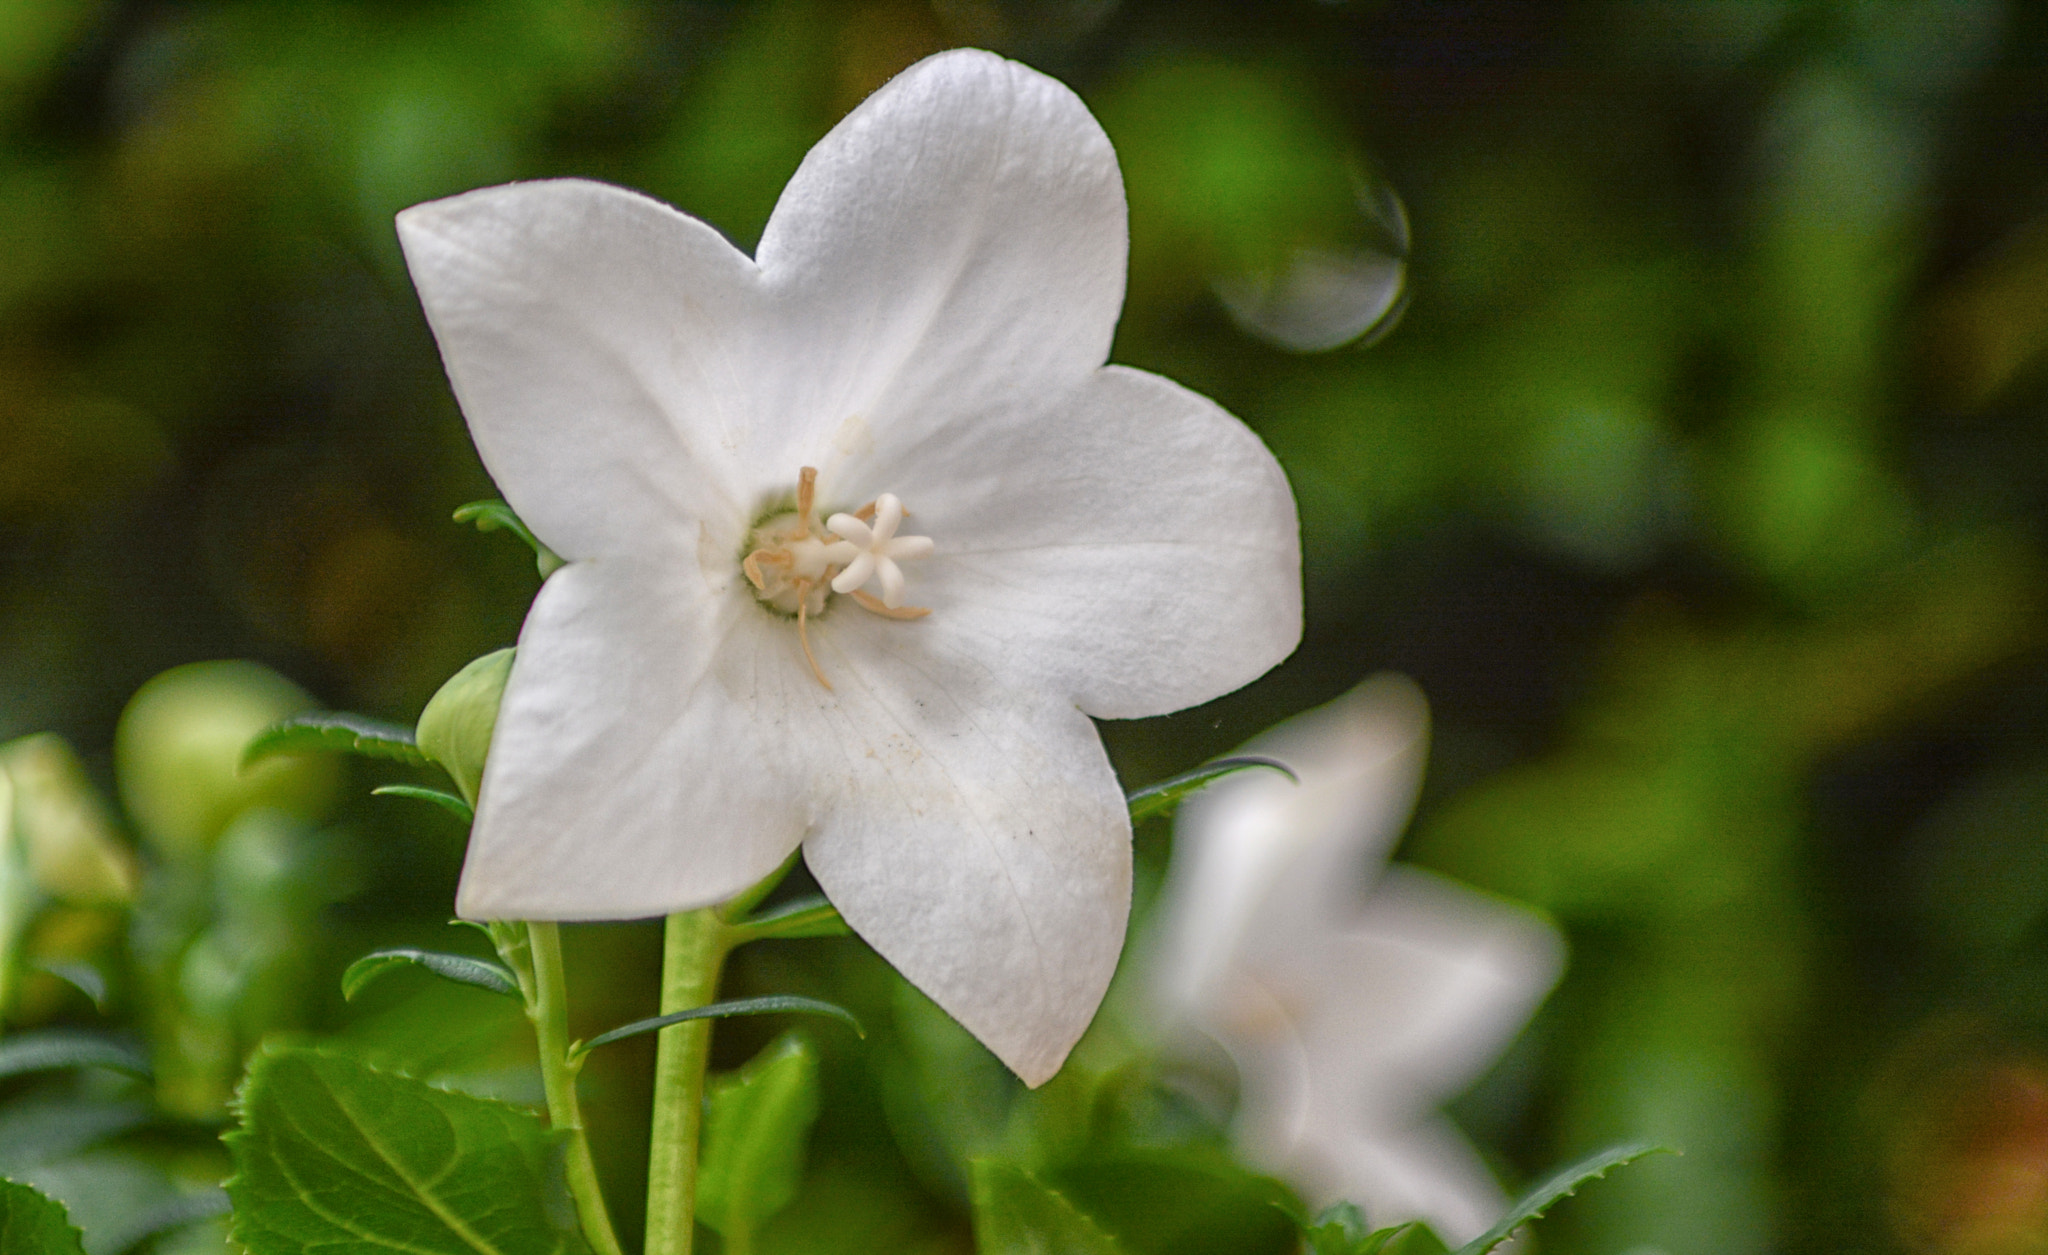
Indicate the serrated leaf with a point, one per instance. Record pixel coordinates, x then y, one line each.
769 1005
495 515
333 731
440 797
460 968
1561 1185
32 1223
802 917
333 1154
83 977
1016 1215
48 1049
1157 799
756 1124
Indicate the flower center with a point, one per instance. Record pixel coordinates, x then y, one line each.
795 567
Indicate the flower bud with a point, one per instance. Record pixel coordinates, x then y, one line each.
455 728
67 834
178 754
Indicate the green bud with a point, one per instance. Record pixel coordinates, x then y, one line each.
455 728
67 834
178 754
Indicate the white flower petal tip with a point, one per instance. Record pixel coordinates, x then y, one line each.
1259 856
856 531
1350 1013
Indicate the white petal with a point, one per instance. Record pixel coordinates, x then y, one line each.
1426 1171
909 547
630 774
974 835
1419 997
1078 553
1262 864
1421 1169
589 335
954 248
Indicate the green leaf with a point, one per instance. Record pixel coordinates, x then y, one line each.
440 797
335 732
801 917
769 1005
34 1224
1016 1215
460 968
333 1154
756 1122
52 1048
83 977
1563 1184
45 1126
1342 1230
492 516
1157 799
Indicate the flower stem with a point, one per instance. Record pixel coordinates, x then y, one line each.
693 950
550 1011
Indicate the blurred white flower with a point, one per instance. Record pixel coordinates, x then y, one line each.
1351 1013
723 448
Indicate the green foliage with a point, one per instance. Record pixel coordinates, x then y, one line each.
43 1050
1160 798
491 516
460 968
180 755
332 1153
809 916
771 1004
1015 1214
756 1123
1342 1230
1562 1184
32 1224
438 797
333 731
1188 1196
455 727
83 977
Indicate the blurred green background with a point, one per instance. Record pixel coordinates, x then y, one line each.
1700 484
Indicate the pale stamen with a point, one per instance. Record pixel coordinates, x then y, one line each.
796 567
803 632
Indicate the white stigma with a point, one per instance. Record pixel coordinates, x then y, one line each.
871 551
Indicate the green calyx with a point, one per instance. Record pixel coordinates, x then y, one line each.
455 728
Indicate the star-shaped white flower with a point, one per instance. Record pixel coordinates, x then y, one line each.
1349 1015
924 324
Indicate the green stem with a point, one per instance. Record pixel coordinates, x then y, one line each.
549 1009
694 948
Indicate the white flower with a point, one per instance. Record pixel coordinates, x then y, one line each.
1349 1016
923 328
